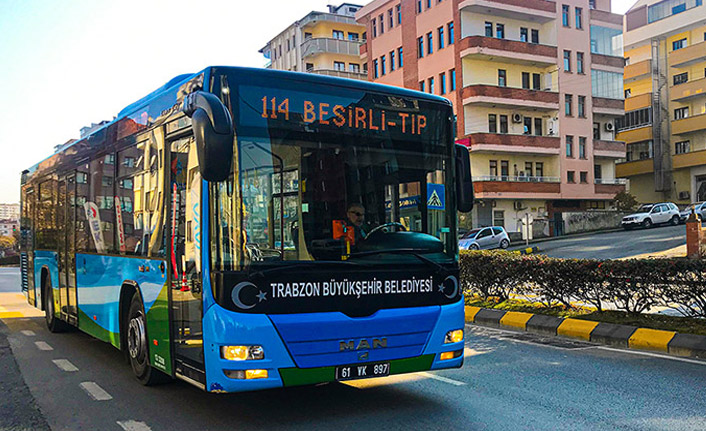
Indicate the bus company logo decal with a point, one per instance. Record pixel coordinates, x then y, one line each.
361 344
449 287
246 285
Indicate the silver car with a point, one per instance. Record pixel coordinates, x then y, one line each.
485 238
649 215
698 207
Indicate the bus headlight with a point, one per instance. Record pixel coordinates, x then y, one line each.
454 336
242 353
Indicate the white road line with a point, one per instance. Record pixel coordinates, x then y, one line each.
653 355
65 365
28 333
443 379
95 391
134 426
41 345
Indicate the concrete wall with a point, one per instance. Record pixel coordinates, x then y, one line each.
587 221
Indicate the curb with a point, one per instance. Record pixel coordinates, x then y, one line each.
623 336
528 250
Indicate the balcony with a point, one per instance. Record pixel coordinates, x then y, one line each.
317 17
687 56
694 124
490 95
609 149
638 102
541 11
638 134
688 90
631 169
608 60
602 105
340 73
609 188
607 17
527 144
687 160
514 187
363 49
639 70
322 45
511 51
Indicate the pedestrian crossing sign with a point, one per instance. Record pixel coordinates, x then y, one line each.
436 197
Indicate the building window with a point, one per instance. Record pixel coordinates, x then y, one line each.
596 130
338 34
565 15
440 36
428 4
289 45
499 218
493 168
421 86
398 9
420 47
583 175
682 147
503 124
680 113
488 29
399 56
582 147
419 6
500 31
524 35
606 41
354 67
382 24
582 107
539 169
431 85
375 68
536 81
373 27
568 101
535 36
578 12
341 66
492 123
383 69
450 27
502 78
430 43
591 4
681 78
526 80
392 61
442 82
579 62
390 19
567 61
606 84
597 172
538 127
569 146
679 44
504 169
528 169
310 67
527 126
570 177
353 36
633 119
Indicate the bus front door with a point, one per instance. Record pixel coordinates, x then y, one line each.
67 249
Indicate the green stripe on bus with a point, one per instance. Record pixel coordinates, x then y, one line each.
87 325
158 330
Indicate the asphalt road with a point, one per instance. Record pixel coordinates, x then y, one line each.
510 381
617 244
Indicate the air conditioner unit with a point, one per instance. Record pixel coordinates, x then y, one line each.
684 196
609 127
516 118
517 205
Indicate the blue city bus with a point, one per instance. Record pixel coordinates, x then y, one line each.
243 229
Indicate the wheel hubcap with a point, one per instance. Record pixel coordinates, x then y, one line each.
136 337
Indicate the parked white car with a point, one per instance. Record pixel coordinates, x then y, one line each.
485 238
652 214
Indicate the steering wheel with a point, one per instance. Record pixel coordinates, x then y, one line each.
384 227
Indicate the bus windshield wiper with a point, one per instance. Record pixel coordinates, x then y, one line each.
416 252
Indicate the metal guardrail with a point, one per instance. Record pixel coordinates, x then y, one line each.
619 181
319 45
517 179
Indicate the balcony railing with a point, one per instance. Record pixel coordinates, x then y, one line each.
637 70
688 90
688 56
327 45
490 46
697 123
340 73
532 7
546 143
614 146
638 102
314 17
605 16
516 179
483 93
622 181
608 60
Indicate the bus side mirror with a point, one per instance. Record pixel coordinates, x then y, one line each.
213 132
464 183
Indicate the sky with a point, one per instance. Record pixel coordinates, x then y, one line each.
66 64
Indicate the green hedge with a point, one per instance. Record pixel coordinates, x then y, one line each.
632 285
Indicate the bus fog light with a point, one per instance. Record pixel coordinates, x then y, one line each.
454 336
246 374
242 353
450 355
255 374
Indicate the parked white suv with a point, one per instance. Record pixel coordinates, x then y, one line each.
651 214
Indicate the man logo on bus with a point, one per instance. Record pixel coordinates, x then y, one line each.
363 344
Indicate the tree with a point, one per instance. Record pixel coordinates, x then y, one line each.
6 242
625 202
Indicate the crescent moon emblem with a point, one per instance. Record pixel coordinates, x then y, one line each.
235 294
455 282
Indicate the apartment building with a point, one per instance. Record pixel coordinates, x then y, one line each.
327 43
9 211
665 101
536 87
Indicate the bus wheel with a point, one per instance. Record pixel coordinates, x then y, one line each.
137 347
53 324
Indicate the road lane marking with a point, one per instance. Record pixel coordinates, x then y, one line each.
28 333
443 379
134 426
65 365
95 391
654 355
41 345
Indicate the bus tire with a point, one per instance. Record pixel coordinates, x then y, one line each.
137 346
53 324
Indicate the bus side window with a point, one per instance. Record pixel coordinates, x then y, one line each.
101 217
83 231
129 215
